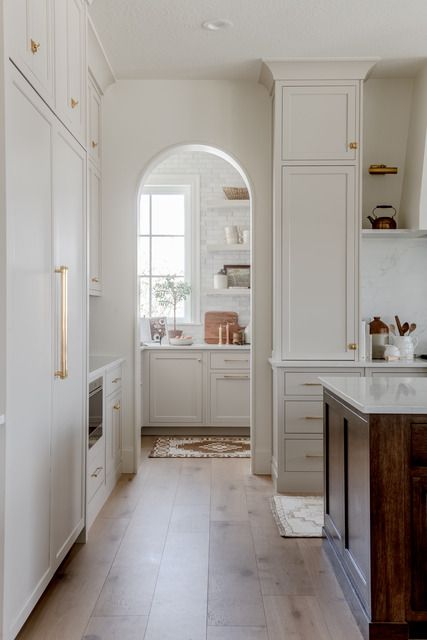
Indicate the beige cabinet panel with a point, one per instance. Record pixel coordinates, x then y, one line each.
303 416
319 123
95 230
176 388
230 399
319 235
113 431
304 455
94 138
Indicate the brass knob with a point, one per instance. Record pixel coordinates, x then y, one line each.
352 346
353 145
35 46
74 103
95 280
117 406
94 144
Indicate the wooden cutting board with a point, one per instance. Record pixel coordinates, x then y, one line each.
212 321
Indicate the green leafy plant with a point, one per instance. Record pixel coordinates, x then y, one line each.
169 292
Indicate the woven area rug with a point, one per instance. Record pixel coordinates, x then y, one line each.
298 516
201 447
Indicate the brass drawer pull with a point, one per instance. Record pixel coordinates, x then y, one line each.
97 471
236 377
312 384
313 418
115 380
35 46
352 346
74 103
314 455
235 360
353 145
117 406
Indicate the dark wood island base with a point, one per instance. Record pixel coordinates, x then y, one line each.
376 516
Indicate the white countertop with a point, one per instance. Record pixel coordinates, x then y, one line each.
417 363
98 364
200 347
381 394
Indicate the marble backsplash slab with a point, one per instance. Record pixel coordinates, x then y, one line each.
393 280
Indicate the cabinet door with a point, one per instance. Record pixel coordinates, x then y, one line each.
95 253
176 388
230 399
319 123
27 557
94 138
69 419
70 57
319 235
29 27
113 431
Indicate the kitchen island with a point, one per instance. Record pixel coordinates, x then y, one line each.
375 478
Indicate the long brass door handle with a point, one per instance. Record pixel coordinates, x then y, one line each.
63 371
314 455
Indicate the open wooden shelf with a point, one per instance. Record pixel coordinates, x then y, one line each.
228 292
394 233
229 204
228 247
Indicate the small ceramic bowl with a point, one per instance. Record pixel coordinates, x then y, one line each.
180 342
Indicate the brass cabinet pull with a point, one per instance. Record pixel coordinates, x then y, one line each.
313 418
236 377
314 455
353 145
115 380
312 384
117 406
352 346
63 371
94 144
74 103
35 46
97 471
95 279
235 360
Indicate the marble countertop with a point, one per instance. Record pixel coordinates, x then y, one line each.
200 347
98 364
417 363
397 395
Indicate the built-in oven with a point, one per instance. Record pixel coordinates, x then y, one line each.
95 411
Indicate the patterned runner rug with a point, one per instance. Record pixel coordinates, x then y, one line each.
201 447
298 516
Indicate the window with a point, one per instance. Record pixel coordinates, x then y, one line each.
169 242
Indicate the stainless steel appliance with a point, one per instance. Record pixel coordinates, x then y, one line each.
95 411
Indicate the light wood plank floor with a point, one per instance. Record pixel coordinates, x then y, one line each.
188 550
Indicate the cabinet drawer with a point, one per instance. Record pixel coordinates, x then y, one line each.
304 455
230 361
96 468
308 384
303 416
113 380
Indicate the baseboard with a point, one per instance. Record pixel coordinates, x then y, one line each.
128 461
261 462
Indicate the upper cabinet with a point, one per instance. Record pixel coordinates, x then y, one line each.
30 42
94 122
47 42
319 123
71 71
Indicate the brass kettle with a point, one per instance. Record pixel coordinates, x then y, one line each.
383 222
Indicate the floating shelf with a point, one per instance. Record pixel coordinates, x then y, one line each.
228 247
228 292
229 204
394 233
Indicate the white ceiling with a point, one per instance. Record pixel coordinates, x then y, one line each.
164 39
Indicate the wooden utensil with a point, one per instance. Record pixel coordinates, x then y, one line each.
412 327
405 328
399 326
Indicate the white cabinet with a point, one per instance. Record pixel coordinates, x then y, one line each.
94 122
70 60
95 230
44 464
318 266
176 388
113 428
319 123
229 399
30 42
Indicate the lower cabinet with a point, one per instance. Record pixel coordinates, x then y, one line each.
196 388
104 461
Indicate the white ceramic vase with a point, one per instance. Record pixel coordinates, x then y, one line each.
406 346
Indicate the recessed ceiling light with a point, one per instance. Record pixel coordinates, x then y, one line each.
216 25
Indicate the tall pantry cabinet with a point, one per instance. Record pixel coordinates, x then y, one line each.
316 187
45 425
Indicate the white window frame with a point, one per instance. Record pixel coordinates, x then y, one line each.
191 188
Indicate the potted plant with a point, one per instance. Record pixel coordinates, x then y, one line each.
169 292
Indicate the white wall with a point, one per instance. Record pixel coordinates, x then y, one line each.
393 281
387 110
214 173
142 119
414 192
